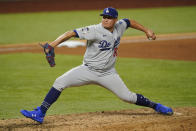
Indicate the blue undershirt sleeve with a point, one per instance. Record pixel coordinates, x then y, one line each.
76 33
127 22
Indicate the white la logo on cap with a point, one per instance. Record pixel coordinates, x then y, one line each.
107 11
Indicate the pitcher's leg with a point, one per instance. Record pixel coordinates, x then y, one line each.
75 77
115 84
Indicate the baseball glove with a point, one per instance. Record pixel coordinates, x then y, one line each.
49 51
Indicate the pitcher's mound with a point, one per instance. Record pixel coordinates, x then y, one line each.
184 119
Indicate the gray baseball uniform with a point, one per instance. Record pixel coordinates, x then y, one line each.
99 61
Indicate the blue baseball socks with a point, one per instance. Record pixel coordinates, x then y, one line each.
142 101
50 98
53 95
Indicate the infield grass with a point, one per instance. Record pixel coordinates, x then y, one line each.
26 78
47 26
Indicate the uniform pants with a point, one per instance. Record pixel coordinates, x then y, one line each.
82 75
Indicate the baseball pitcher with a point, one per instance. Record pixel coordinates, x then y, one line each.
98 64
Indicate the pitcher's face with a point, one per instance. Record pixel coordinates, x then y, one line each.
108 22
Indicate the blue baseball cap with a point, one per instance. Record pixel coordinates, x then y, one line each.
110 12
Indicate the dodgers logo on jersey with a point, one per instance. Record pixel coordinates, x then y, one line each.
104 45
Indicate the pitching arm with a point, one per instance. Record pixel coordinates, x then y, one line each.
149 33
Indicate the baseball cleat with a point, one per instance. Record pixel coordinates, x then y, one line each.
35 115
163 109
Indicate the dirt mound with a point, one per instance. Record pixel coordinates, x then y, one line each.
184 119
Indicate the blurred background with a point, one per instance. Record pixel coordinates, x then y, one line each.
7 6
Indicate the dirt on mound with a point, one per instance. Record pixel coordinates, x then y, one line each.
146 119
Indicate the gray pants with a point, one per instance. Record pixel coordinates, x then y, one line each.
82 75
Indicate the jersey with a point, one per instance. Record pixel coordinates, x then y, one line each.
102 45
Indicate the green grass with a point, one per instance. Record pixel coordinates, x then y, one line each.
26 78
47 26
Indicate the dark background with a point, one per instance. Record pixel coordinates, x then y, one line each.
16 6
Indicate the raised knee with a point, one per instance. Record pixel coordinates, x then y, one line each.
59 84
